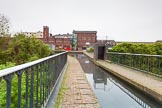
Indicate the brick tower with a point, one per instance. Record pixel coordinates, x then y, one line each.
45 32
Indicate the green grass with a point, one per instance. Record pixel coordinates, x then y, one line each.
61 93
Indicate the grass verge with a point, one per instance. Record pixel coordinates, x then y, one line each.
61 93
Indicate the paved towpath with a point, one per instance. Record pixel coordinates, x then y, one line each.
79 93
145 82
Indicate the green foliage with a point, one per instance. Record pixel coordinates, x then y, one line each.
4 32
7 65
4 42
22 49
153 49
90 49
3 84
34 57
158 48
61 93
152 64
14 90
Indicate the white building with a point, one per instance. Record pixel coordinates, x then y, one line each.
38 34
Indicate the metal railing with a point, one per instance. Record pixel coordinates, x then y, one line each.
30 85
151 64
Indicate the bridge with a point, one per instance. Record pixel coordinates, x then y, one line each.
33 84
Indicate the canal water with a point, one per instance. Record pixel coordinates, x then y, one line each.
111 91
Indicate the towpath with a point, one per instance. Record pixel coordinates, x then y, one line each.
79 93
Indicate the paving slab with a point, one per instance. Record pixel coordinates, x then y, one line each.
79 93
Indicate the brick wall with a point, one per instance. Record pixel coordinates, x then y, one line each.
63 41
45 31
85 38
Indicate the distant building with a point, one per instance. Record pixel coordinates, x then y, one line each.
46 32
38 34
85 39
47 38
110 42
59 41
63 41
159 41
118 42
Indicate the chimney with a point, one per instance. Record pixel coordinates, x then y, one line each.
45 32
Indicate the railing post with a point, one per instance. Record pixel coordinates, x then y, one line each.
37 71
158 65
32 88
41 84
8 79
26 95
48 77
43 75
46 80
19 75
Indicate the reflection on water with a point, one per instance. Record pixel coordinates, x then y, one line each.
99 79
110 91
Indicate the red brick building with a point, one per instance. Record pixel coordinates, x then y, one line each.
47 37
85 38
63 41
57 41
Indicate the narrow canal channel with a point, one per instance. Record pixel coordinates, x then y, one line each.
112 92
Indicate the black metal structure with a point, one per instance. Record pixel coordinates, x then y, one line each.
33 82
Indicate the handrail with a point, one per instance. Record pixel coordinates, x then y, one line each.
148 55
151 64
10 70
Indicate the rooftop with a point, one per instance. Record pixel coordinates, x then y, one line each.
77 31
63 35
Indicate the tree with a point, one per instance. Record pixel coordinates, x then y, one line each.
22 49
4 32
4 26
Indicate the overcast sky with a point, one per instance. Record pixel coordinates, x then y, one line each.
121 20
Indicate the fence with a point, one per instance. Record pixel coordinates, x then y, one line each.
151 64
30 85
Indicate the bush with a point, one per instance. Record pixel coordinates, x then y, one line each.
22 49
153 49
7 65
90 49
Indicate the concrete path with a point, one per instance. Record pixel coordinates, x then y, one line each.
149 84
79 93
